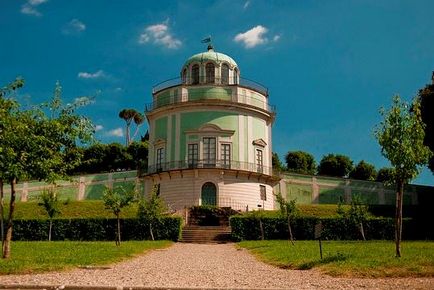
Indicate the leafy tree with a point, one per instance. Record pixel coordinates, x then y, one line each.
335 165
139 156
288 210
426 98
115 200
36 143
364 171
152 210
277 164
386 175
51 204
356 215
300 162
401 135
130 116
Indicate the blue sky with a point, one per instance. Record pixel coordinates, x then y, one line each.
329 65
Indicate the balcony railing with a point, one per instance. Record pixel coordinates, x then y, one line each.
210 97
210 164
203 80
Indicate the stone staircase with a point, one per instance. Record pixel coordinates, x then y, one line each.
206 234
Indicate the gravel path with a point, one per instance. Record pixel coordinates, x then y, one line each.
207 266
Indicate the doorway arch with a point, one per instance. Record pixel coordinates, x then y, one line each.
209 194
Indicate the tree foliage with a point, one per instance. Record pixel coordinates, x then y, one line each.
356 215
130 116
300 162
115 200
364 171
426 98
277 164
335 165
51 204
151 210
401 137
386 175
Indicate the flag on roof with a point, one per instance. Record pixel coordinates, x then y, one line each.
206 40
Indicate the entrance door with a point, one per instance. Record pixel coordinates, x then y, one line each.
209 194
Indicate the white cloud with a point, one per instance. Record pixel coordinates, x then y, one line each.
98 128
95 75
276 38
29 7
246 5
74 26
118 132
252 37
160 34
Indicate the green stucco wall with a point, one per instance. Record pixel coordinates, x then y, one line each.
259 129
194 120
172 148
161 128
204 93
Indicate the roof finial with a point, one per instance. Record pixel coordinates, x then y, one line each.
208 40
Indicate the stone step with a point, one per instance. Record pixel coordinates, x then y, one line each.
206 234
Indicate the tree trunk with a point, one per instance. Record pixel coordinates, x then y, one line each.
2 218
362 231
118 231
8 238
127 135
398 217
49 230
262 229
151 232
290 231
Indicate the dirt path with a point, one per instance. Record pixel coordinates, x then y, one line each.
207 266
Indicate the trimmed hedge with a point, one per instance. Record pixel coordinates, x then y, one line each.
247 228
97 229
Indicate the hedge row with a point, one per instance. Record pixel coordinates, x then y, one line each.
102 229
303 228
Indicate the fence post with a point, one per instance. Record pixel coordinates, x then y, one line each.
81 188
315 190
110 180
347 191
24 191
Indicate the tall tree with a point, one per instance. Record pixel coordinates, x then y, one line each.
37 143
401 136
276 163
335 165
364 171
130 116
300 162
426 97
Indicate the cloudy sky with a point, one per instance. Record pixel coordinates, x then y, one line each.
329 65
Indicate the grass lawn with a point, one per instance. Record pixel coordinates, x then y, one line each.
32 257
349 258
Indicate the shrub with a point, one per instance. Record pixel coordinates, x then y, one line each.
103 229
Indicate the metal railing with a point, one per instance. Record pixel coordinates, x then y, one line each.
211 97
203 80
210 164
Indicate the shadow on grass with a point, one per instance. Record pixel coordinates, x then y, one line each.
330 259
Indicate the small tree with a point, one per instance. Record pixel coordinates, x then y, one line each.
300 162
289 211
115 200
152 210
51 204
364 171
258 215
358 214
335 165
401 136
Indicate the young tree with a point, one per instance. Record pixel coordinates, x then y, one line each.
335 165
401 135
152 210
300 162
36 144
115 200
51 204
356 215
289 211
364 171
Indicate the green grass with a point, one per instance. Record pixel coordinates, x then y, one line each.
349 258
35 257
74 209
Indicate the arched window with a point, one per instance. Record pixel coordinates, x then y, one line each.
225 74
184 76
209 194
235 76
210 72
195 74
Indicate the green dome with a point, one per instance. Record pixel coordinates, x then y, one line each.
210 55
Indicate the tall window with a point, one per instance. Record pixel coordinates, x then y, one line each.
193 155
235 76
263 192
226 155
195 74
160 159
209 151
259 160
184 76
210 72
225 74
